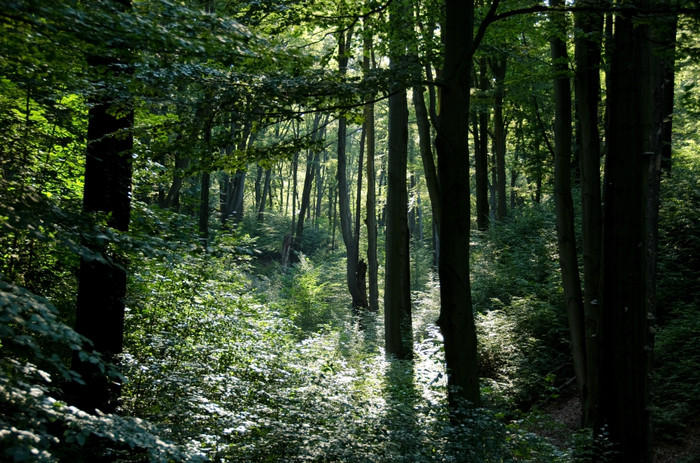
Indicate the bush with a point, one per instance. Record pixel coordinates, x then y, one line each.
36 424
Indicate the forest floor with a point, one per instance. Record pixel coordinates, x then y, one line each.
565 413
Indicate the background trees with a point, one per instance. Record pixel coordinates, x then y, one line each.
251 127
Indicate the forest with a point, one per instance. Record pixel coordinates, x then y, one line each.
335 231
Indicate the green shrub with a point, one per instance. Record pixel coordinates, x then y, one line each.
35 423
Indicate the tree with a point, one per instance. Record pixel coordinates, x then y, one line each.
351 246
102 282
456 320
564 203
371 201
481 163
397 282
498 66
589 27
624 405
312 160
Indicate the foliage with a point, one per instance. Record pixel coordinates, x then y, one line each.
36 424
520 317
216 359
678 296
308 297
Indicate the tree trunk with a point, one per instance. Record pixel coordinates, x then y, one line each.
564 204
265 193
398 337
204 207
481 159
102 282
172 199
426 152
312 159
498 66
346 221
371 201
624 395
456 319
588 54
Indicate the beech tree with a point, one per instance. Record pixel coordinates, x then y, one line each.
624 407
588 39
456 320
397 283
102 282
564 203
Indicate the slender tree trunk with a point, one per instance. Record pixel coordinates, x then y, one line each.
624 393
346 222
312 159
172 199
265 193
588 54
426 152
319 189
498 67
456 319
204 207
102 282
397 283
481 159
564 204
371 201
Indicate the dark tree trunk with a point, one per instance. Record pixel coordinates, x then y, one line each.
102 282
624 405
397 283
312 159
564 204
426 152
588 54
172 199
265 194
371 201
204 207
456 319
498 66
346 222
481 160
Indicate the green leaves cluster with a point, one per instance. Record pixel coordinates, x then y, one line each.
37 425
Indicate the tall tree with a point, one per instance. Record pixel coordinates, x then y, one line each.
102 280
397 284
624 405
563 200
312 159
456 319
481 162
371 198
346 222
589 27
499 67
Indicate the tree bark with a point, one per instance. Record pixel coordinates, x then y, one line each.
564 204
624 405
371 201
172 199
498 66
204 207
456 319
312 159
346 222
481 160
397 283
587 57
102 282
426 152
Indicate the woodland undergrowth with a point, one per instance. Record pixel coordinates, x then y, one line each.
230 357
